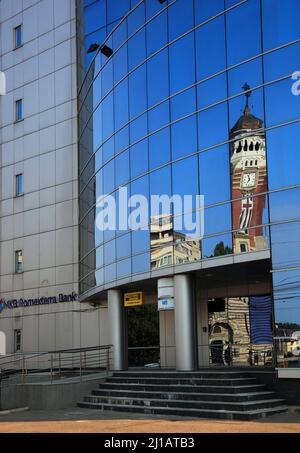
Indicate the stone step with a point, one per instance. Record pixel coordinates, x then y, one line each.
194 381
204 388
214 405
204 394
252 396
182 374
188 412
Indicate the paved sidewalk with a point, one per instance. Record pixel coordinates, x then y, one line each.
78 420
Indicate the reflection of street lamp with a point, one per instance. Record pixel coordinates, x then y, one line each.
107 51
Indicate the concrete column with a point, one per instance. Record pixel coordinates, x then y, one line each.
117 329
185 332
165 293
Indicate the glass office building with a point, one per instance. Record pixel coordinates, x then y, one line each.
198 98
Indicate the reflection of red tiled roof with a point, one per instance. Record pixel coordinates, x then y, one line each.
247 121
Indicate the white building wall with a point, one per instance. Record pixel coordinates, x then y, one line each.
44 221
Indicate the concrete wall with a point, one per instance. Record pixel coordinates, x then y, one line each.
48 331
47 396
43 222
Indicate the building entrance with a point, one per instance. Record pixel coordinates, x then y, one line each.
143 336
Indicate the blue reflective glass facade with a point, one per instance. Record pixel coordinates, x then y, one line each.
100 18
197 98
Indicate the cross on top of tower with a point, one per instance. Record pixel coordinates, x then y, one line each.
248 93
247 121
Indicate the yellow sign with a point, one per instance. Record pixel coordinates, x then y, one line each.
133 299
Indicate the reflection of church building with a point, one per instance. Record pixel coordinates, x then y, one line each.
170 247
229 324
236 335
248 178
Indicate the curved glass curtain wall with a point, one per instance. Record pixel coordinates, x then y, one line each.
167 113
100 18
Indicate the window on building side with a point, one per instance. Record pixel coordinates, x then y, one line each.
19 109
243 248
19 185
17 340
18 261
18 36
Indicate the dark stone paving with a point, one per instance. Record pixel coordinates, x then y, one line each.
74 413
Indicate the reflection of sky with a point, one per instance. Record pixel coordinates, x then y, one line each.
100 17
210 91
176 69
281 105
287 296
282 62
281 23
286 245
285 205
284 154
215 189
243 32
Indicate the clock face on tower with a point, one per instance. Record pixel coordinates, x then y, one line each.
248 180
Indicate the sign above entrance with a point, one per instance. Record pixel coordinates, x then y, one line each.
134 299
166 304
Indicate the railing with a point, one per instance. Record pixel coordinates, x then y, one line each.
214 355
55 365
241 354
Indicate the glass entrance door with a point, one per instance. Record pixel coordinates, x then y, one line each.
143 336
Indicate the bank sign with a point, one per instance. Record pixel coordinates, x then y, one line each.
18 303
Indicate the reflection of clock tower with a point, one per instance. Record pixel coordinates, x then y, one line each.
248 178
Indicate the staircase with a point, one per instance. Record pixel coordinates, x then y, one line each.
215 394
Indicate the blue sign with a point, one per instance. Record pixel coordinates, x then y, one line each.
17 303
166 304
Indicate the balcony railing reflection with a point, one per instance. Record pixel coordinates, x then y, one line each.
241 355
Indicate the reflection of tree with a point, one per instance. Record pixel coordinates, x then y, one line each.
221 249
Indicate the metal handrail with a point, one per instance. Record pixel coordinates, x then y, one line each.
89 348
19 355
143 347
59 363
233 354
